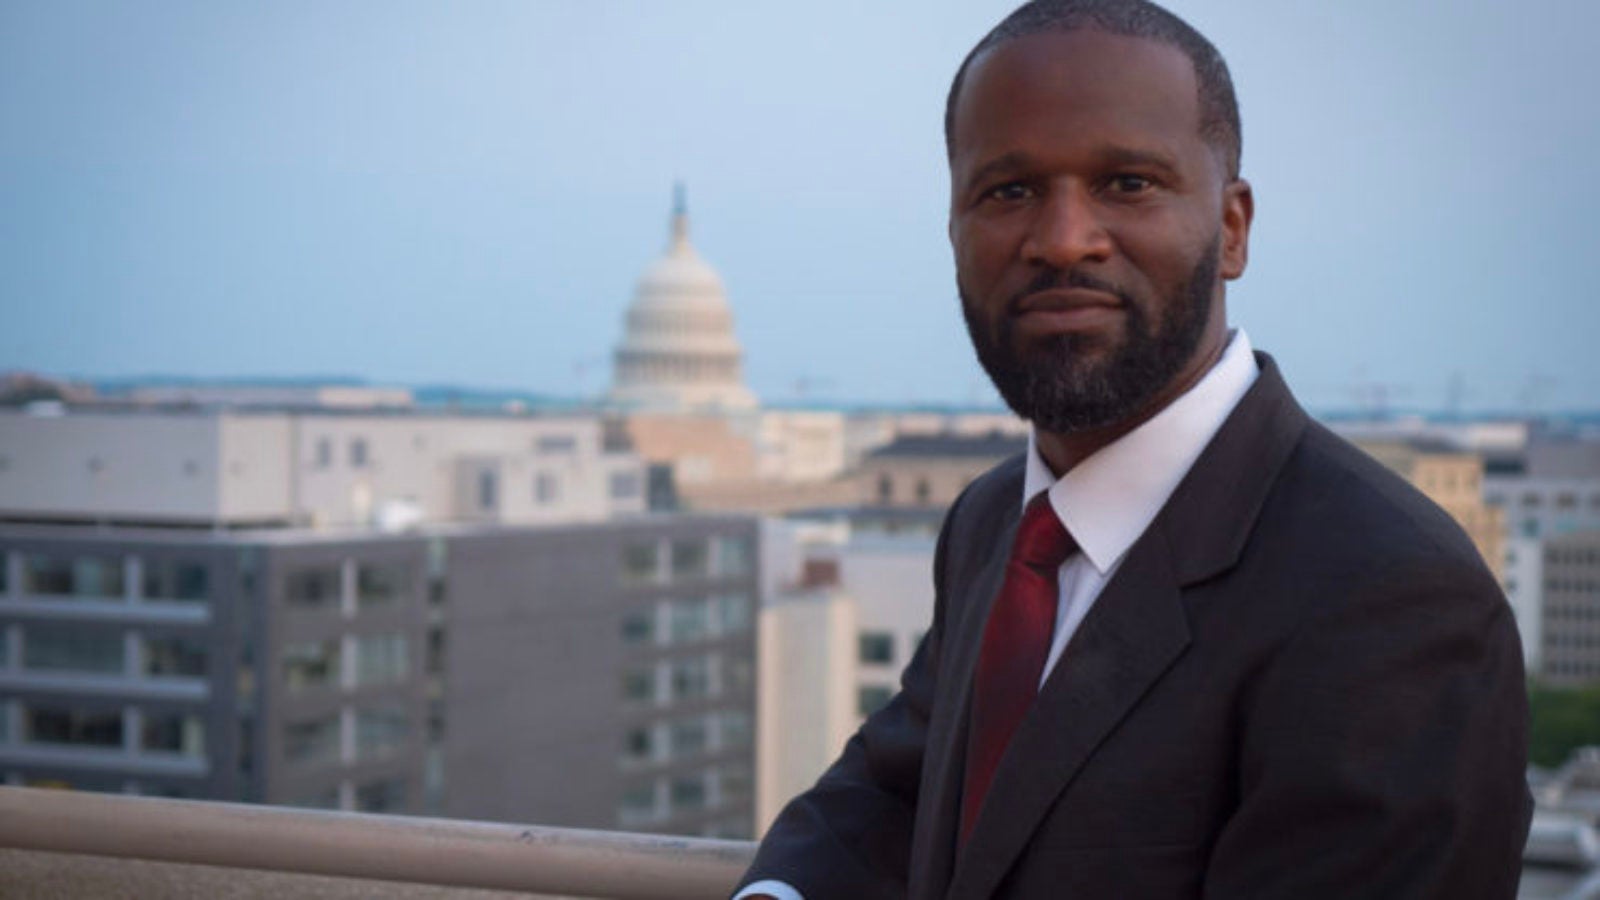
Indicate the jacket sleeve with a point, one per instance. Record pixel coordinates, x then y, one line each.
850 834
1383 750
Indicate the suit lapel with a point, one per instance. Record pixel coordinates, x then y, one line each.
1132 635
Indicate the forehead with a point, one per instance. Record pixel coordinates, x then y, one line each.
1077 87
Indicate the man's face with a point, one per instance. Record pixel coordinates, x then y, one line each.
1092 226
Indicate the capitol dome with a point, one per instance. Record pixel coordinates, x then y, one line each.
678 350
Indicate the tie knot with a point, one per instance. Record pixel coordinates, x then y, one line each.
1042 541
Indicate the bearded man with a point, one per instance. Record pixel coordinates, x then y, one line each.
1190 644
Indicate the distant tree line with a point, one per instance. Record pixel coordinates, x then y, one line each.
1562 719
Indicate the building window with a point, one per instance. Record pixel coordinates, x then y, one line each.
381 731
736 783
689 558
312 741
733 557
488 489
872 698
61 725
180 733
688 793
691 620
176 580
546 488
691 678
734 612
434 657
924 492
83 576
1566 501
640 563
316 588
380 585
688 737
324 453
385 796
73 648
885 488
639 686
736 732
381 659
639 627
876 648
174 656
556 444
625 485
358 453
638 804
312 664
638 745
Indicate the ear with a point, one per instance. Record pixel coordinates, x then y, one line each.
1238 209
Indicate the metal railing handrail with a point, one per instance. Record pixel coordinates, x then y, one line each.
445 852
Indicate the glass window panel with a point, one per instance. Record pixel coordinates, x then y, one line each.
639 686
175 580
381 659
625 485
61 725
733 556
386 796
735 783
734 612
638 744
556 443
174 733
691 678
316 588
546 488
73 648
170 655
876 648
639 627
691 620
380 585
83 576
639 563
689 792
688 737
381 731
735 730
311 664
311 741
871 699
689 558
639 800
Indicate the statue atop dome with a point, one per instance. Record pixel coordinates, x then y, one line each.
678 351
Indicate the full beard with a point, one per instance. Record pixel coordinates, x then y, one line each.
1057 384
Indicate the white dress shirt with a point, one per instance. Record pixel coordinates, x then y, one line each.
1109 499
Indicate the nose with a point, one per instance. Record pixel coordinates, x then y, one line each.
1066 230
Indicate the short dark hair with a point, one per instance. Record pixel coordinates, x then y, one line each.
1219 109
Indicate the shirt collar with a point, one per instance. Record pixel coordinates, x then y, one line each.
1110 498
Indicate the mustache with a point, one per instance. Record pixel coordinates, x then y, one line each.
1062 279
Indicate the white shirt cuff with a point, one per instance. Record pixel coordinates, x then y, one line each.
775 888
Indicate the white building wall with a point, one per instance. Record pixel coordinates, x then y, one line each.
111 465
1524 585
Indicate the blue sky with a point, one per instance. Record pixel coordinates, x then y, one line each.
467 192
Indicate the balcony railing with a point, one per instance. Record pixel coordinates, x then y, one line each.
442 852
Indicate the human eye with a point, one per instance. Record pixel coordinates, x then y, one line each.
1129 184
1009 192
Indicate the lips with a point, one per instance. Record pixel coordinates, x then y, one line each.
1067 309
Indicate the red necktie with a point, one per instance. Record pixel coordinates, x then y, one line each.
1016 642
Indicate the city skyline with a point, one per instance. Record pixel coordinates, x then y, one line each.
412 195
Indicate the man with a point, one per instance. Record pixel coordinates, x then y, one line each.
1192 644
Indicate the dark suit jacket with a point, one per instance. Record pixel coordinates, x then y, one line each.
1301 683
